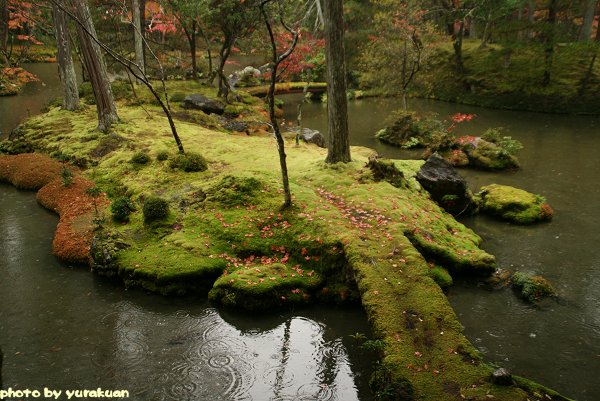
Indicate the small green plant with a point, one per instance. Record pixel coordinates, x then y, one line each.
162 155
66 176
95 193
155 208
188 162
140 158
374 345
508 145
121 208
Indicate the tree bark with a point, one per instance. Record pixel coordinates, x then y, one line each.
95 66
337 103
457 45
549 42
585 34
138 40
66 67
4 16
224 87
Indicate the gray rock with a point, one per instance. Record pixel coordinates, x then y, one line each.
502 377
201 102
311 136
445 185
237 126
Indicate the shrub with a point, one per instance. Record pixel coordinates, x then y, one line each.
66 177
121 208
155 208
162 155
140 158
188 162
177 97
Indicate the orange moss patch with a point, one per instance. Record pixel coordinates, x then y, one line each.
75 229
74 233
28 170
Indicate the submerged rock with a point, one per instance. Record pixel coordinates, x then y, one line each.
513 204
532 288
203 103
445 185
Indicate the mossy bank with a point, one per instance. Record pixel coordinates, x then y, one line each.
348 237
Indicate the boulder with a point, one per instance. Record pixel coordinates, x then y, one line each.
513 204
502 377
486 155
445 185
236 126
310 136
203 103
532 288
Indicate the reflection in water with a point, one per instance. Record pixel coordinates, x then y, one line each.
65 328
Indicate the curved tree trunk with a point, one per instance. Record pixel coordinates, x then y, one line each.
337 103
95 65
66 68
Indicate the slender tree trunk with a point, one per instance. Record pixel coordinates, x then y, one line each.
95 66
457 45
138 40
337 103
4 17
486 32
585 34
192 40
66 67
549 42
211 73
276 60
530 17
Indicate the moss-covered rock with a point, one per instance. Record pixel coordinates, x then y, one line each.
408 130
263 287
490 156
532 288
441 276
513 204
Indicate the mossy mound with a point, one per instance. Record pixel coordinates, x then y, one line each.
408 130
489 156
532 288
513 204
263 287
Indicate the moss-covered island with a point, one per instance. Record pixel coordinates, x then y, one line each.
221 232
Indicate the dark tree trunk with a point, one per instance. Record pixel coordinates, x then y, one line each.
224 87
95 66
337 103
549 42
588 21
66 68
211 73
191 37
138 40
276 60
3 25
457 45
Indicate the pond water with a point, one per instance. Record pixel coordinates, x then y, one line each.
64 328
557 344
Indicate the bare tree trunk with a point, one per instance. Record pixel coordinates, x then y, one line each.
276 60
137 36
224 87
585 34
549 42
191 37
530 17
211 74
66 68
4 17
337 103
95 66
457 45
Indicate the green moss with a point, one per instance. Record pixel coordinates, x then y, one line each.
121 208
234 191
188 162
441 276
513 204
155 208
532 288
262 287
140 158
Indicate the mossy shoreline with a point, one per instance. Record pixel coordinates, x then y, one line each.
347 237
